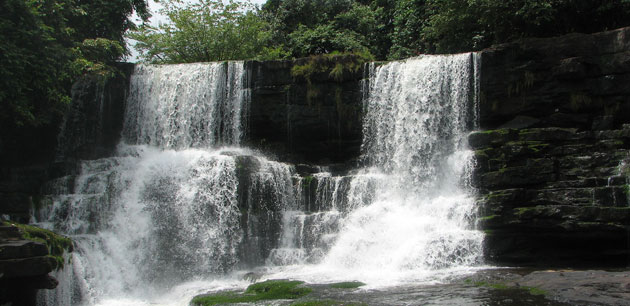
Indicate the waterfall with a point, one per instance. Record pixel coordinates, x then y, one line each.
171 205
174 206
408 216
187 105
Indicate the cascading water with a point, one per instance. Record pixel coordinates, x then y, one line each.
167 208
408 216
184 106
173 207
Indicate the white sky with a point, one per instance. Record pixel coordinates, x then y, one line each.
157 18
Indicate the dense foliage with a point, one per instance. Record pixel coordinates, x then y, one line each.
206 30
388 29
46 44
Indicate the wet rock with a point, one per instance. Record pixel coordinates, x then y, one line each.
553 195
520 122
580 287
252 277
27 255
318 121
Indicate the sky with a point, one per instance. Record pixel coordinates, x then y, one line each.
157 18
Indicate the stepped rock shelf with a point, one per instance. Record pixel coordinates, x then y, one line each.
552 163
552 154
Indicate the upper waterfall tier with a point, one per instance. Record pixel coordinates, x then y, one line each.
417 113
187 105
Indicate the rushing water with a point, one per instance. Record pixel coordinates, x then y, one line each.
174 213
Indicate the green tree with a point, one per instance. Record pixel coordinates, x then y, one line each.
46 44
208 30
409 19
306 27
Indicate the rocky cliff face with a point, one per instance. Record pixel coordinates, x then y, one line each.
314 119
552 165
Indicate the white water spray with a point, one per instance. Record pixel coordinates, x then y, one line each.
172 208
409 217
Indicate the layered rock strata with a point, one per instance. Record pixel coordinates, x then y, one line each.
552 163
27 255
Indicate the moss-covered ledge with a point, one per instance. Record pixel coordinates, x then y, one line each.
56 245
553 196
27 255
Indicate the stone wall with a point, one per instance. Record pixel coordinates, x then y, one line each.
554 159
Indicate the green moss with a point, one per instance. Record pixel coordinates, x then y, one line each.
56 244
336 64
277 289
497 131
537 147
346 285
327 303
487 218
535 291
306 181
501 286
267 290
523 210
337 72
498 286
223 298
483 152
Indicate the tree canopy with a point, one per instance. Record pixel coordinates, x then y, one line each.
46 44
388 29
207 30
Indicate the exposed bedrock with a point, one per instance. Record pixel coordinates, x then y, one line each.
553 162
315 120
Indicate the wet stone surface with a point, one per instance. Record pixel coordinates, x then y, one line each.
514 287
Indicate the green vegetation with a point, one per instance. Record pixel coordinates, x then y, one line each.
346 285
327 303
206 30
306 181
336 64
47 44
535 290
56 244
267 290
488 218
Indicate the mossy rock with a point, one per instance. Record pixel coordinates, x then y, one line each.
57 244
267 290
346 285
328 303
